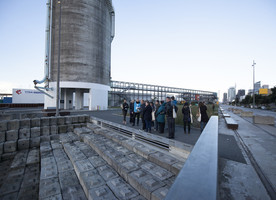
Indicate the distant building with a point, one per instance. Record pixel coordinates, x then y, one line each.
250 92
241 94
265 86
224 97
231 94
257 87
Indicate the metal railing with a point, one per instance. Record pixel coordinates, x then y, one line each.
198 177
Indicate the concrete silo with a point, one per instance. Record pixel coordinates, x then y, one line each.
87 30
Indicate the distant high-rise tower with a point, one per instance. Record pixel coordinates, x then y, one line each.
231 94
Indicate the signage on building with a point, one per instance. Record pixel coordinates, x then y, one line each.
263 91
27 96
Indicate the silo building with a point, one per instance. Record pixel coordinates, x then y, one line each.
86 33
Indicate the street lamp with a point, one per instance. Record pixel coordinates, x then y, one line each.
253 83
58 68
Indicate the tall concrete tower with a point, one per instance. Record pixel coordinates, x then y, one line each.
86 33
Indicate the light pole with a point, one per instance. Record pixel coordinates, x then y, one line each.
58 68
253 83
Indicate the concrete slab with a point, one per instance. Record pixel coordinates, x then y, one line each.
101 193
143 150
10 146
62 128
35 132
19 160
107 172
97 161
35 122
45 130
82 166
44 121
24 133
49 187
73 192
65 166
12 135
260 119
164 160
23 144
121 189
2 136
68 178
13 124
35 142
3 126
156 171
90 180
53 130
160 193
25 123
33 157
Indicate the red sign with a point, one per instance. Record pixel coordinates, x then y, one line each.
197 97
18 92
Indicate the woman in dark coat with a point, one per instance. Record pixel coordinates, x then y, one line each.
124 109
186 117
147 116
204 116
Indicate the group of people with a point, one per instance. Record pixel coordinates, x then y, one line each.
154 115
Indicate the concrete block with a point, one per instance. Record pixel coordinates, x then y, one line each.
9 187
34 142
2 136
156 171
246 114
70 127
54 137
1 148
163 160
107 172
68 178
28 192
45 138
53 130
78 131
45 146
121 189
237 111
82 166
97 161
35 132
125 167
55 144
35 122
160 193
75 119
53 121
175 168
77 126
129 144
123 150
44 121
90 179
49 187
87 118
73 192
33 157
45 131
23 144
19 160
10 146
68 120
150 185
260 119
140 197
143 150
81 119
73 136
54 197
62 129
102 192
24 133
138 160
65 138
3 126
7 156
65 166
25 123
48 171
60 120
12 135
13 124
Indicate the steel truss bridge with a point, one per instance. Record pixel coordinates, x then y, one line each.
128 90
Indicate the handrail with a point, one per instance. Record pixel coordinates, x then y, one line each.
198 177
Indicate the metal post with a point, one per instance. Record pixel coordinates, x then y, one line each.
58 69
253 83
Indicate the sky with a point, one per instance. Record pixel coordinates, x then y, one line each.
194 44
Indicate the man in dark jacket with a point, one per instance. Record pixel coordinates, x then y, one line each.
169 113
124 110
186 117
143 106
131 112
157 105
147 116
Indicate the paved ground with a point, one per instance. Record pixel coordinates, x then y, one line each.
257 143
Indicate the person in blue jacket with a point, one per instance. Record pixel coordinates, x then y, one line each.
160 117
137 110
